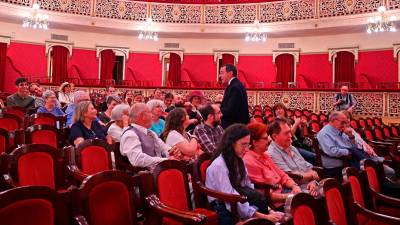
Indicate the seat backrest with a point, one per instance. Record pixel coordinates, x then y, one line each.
4 140
32 205
109 197
42 134
36 164
362 123
43 119
93 156
9 122
314 117
377 121
371 169
315 126
354 124
306 210
334 201
386 132
378 133
370 122
171 181
368 135
394 130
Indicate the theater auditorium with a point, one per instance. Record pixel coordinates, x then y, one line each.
199 112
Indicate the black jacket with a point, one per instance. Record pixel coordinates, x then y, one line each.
234 106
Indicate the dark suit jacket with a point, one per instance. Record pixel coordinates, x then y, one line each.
234 106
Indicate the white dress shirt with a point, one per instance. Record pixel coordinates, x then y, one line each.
132 148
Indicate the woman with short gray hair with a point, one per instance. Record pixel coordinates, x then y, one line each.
120 114
50 104
157 108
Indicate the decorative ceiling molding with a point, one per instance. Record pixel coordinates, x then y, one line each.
334 51
396 51
218 54
166 52
123 51
51 44
295 53
5 39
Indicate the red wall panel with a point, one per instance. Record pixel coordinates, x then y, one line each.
86 62
200 67
378 65
315 68
258 69
146 66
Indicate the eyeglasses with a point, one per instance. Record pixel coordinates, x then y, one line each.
23 84
245 145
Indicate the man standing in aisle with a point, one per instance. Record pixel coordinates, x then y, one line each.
234 106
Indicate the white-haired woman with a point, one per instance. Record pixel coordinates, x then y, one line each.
85 125
50 104
120 114
157 108
65 96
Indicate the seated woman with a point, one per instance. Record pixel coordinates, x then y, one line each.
111 102
262 169
157 110
120 114
227 174
65 96
174 135
85 125
127 97
50 104
280 111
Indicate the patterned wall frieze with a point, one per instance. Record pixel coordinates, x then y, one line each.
393 105
393 4
291 99
127 10
19 2
226 14
287 10
329 8
80 7
172 13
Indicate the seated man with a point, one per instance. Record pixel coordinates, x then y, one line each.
336 139
210 131
21 98
79 96
140 145
287 157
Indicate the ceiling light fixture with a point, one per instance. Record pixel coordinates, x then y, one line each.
148 31
35 19
256 34
381 23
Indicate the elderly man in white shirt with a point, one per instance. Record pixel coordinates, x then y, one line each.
140 145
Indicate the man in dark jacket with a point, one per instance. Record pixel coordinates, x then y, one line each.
234 106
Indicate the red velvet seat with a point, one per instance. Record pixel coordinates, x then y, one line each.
32 206
362 123
354 124
314 127
38 165
4 141
378 121
306 210
361 200
91 156
370 122
314 117
172 186
17 111
47 119
336 204
10 122
43 134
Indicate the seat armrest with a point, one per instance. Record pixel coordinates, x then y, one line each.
219 195
76 173
385 219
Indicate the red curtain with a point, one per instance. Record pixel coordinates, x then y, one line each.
60 64
344 67
284 69
174 71
228 59
3 54
107 64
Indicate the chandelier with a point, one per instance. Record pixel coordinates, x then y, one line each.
256 34
36 20
148 31
381 23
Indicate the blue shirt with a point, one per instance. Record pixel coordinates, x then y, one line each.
79 130
70 114
217 178
56 111
158 128
334 143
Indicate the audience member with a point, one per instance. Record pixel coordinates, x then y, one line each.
178 101
111 101
234 106
157 110
36 92
262 169
157 94
50 104
175 135
119 114
65 95
141 146
337 140
127 97
85 125
79 96
110 90
210 131
195 100
218 99
288 158
21 98
227 174
137 97
344 100
168 100
1 103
